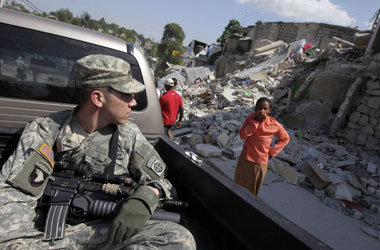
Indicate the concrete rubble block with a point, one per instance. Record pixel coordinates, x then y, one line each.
355 182
222 140
259 76
272 46
320 193
315 174
337 178
289 174
283 155
372 183
373 85
226 166
344 163
207 150
355 193
271 177
197 125
371 190
374 102
342 192
371 168
236 151
181 132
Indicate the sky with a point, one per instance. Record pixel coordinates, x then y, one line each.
205 20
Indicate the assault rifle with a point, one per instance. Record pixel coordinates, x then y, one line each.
75 193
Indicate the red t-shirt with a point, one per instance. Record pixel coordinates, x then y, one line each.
170 101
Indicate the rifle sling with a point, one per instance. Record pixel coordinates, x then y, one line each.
113 151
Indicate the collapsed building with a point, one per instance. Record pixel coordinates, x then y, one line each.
327 97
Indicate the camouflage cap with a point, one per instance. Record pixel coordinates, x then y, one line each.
98 71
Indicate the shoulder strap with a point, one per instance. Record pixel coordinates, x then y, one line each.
113 151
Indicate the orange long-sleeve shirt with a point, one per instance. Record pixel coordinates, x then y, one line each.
258 137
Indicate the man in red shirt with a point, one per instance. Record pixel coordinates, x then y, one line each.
257 131
171 104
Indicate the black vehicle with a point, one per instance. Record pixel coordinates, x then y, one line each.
220 214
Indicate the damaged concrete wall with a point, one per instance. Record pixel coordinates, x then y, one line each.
290 32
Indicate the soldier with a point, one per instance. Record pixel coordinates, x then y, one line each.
106 91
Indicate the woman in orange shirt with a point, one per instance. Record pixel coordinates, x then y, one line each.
257 131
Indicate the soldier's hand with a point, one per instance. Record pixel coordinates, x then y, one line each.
178 125
133 215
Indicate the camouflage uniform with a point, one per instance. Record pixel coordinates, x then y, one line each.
133 151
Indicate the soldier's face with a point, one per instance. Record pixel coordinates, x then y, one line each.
118 106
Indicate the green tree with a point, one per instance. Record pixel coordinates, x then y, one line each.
63 15
228 30
86 19
171 40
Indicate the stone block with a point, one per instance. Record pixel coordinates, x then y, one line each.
363 109
374 102
372 142
361 139
316 175
207 150
373 113
368 130
371 168
355 117
364 120
222 140
197 125
237 151
342 192
351 135
373 121
353 125
288 173
373 92
373 85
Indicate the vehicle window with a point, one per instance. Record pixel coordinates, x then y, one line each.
38 66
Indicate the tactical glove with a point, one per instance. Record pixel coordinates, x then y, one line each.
134 214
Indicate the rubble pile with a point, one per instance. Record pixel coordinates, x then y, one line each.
309 92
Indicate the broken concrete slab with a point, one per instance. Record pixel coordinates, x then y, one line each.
271 177
272 62
226 166
208 150
316 175
342 192
289 174
181 132
268 47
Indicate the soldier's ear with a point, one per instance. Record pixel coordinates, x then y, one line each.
97 98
